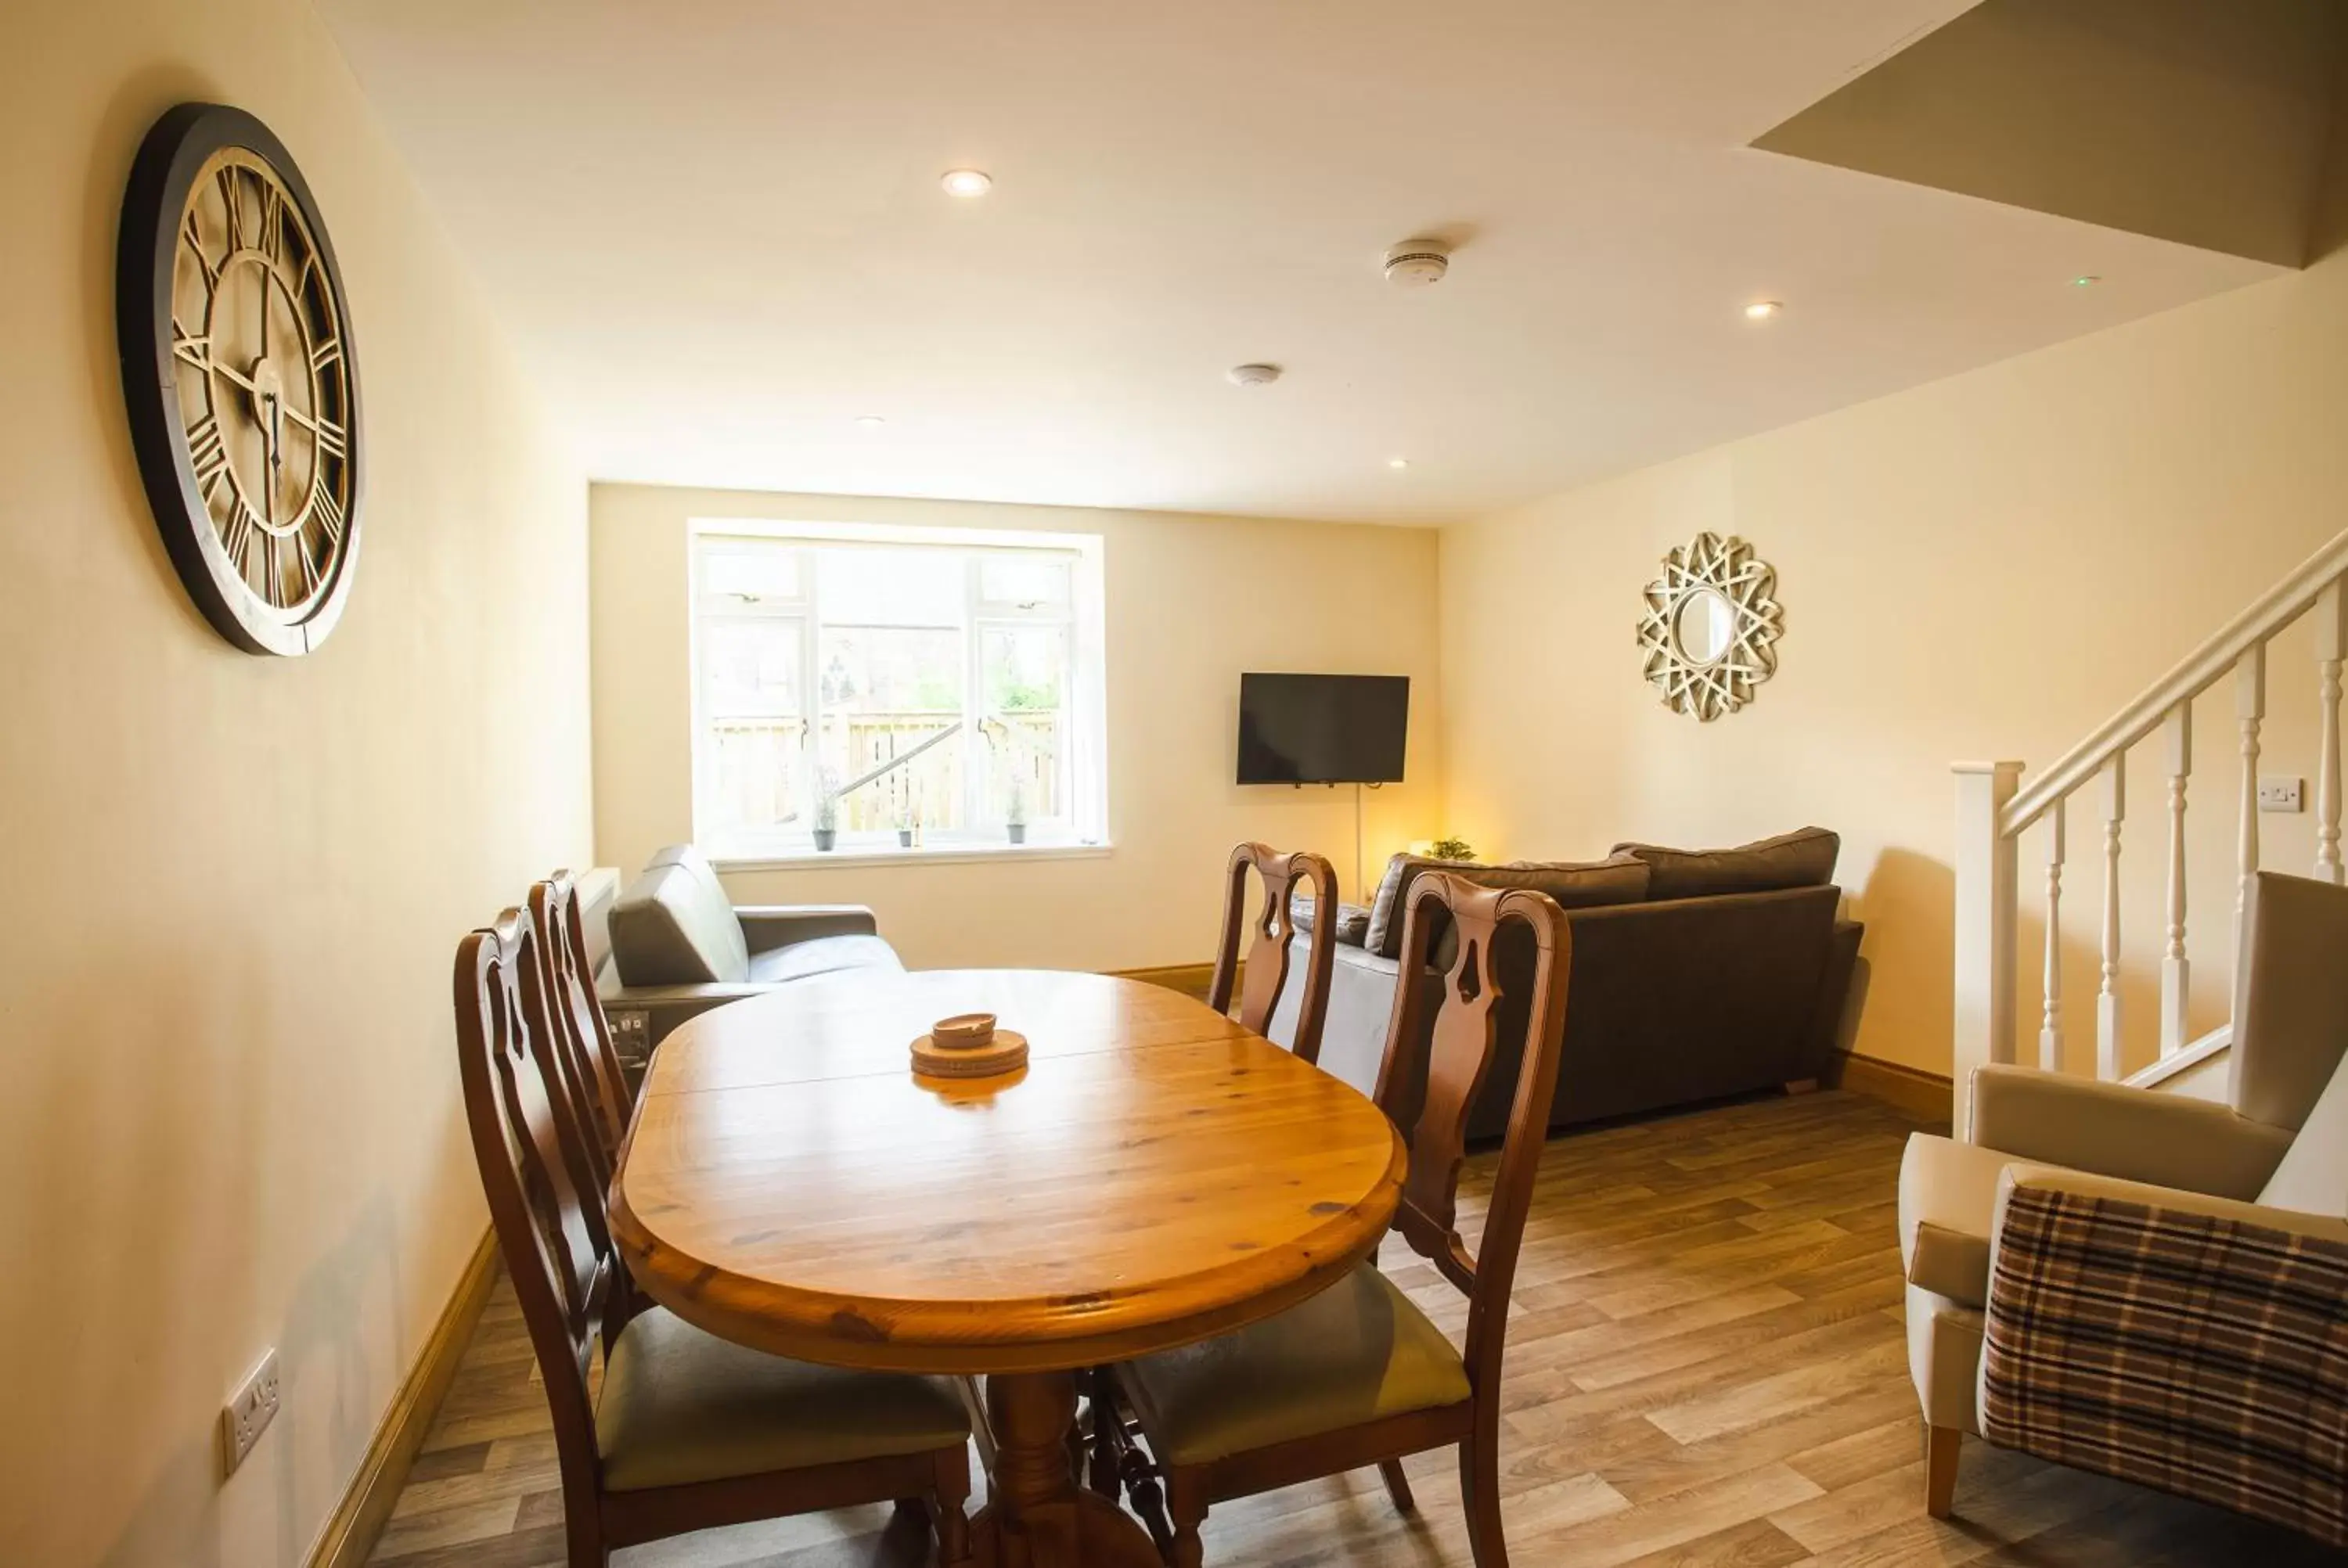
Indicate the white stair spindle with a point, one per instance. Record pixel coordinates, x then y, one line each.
1986 895
2249 710
2175 973
2330 646
2107 997
2050 1032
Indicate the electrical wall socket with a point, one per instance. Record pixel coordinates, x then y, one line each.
248 1413
2277 794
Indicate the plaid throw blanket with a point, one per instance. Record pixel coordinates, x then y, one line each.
2201 1355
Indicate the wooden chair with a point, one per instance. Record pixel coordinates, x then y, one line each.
1113 1460
1275 926
1357 1375
592 1070
690 1431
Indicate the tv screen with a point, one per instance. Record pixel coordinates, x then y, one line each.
1322 729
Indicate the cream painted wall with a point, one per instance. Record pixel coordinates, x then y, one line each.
1191 602
231 1118
1984 567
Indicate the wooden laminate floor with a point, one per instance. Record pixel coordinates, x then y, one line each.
1706 1367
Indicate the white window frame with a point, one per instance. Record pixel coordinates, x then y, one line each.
1083 829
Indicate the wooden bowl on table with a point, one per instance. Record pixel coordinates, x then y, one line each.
968 1045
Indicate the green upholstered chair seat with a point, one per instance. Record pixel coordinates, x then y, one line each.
680 1406
1357 1352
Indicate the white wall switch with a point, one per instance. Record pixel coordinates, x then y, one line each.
2277 794
248 1413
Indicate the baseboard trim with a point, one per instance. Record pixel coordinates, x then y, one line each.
1191 979
350 1535
1926 1096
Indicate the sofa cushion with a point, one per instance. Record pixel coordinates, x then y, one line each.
2290 1008
1948 1206
1803 858
1574 884
2313 1175
822 956
1353 921
675 927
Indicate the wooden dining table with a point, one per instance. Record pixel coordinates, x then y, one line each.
1156 1175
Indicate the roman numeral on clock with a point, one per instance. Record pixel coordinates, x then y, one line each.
236 534
230 199
207 452
329 508
193 239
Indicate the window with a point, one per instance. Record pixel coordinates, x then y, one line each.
893 690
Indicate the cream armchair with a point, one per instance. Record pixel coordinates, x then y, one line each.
2044 1256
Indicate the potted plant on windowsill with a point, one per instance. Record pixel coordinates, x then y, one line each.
1015 814
827 811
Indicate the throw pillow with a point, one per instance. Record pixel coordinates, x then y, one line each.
1803 858
1353 920
1575 884
2314 1177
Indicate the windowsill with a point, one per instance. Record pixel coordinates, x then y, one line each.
928 855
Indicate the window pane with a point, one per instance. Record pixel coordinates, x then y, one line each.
891 587
751 667
756 785
752 571
885 691
1031 581
1023 691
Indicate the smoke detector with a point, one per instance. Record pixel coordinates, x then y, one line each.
1253 375
1415 263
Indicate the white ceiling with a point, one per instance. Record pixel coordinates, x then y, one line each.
715 231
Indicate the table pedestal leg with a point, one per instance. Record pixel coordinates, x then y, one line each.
1036 1516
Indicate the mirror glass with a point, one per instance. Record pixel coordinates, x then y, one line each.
1703 625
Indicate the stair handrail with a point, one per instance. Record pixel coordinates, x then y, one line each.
2192 675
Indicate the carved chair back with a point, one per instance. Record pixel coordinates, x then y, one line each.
598 1085
1430 1080
552 1239
1274 925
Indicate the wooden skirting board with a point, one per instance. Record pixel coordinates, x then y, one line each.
350 1535
1926 1096
1191 979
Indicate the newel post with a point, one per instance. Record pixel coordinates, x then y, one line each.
1986 895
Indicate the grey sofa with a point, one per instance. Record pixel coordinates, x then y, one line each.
1668 1001
678 946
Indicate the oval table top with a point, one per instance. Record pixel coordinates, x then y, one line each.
1156 1175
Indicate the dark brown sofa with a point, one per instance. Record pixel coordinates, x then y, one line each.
1668 1002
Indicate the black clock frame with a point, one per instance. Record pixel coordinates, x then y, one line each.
146 255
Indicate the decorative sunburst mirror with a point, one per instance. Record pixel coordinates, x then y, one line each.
1710 627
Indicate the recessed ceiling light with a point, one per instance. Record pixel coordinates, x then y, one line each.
1252 374
870 421
1397 462
966 181
1762 310
2085 281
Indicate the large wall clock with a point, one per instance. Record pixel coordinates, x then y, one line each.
238 368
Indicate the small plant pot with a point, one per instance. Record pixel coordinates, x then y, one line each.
825 837
1018 832
904 838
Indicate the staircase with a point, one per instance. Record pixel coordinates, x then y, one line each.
2088 789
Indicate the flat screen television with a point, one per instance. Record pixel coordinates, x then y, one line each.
1322 729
